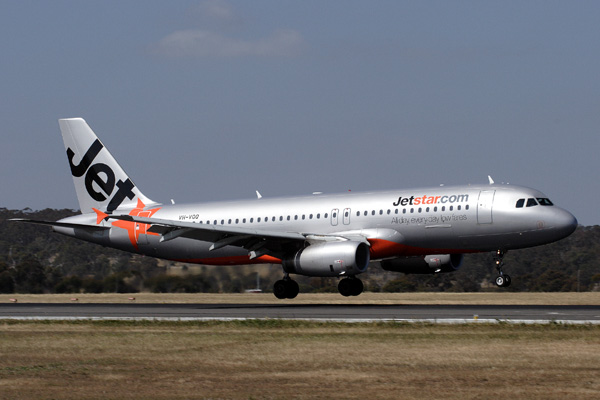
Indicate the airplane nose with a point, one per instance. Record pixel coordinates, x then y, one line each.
565 222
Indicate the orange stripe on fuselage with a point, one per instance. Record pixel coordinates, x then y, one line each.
380 249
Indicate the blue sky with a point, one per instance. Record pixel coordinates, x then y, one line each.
212 100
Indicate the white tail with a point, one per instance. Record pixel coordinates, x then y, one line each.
100 182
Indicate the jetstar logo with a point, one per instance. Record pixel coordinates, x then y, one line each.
418 200
100 176
133 229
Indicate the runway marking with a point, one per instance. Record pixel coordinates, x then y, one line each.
339 320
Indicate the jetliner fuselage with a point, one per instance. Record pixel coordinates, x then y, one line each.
423 230
459 219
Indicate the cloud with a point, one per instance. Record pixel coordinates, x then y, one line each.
217 10
203 43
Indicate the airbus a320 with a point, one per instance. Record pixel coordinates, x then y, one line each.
423 230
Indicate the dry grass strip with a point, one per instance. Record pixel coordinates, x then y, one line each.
489 298
276 359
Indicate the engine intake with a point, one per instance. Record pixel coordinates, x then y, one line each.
329 259
430 264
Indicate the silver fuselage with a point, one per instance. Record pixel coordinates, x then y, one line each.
396 223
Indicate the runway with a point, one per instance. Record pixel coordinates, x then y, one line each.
574 314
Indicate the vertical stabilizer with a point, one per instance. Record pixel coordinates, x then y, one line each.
100 182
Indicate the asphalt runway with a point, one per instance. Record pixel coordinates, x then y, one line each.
318 312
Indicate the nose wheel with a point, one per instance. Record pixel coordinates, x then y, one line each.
502 280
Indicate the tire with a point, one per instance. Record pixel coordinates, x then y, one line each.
292 289
280 289
345 287
500 281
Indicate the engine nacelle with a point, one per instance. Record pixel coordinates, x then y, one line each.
329 259
430 264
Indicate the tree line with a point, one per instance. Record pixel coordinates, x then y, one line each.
35 260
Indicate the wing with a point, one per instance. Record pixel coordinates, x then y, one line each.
257 242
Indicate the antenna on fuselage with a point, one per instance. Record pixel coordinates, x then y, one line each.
258 195
491 180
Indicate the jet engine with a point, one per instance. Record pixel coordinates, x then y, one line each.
329 259
430 264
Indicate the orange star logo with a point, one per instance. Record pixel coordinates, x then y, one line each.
134 229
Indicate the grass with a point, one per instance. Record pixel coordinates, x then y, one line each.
277 359
491 298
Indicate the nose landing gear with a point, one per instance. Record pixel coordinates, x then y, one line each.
502 280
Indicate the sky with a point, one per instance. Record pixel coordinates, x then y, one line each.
212 100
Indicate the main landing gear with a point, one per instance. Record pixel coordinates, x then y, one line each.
502 280
350 286
286 288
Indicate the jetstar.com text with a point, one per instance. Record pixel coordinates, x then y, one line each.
415 201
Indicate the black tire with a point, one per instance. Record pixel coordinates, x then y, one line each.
292 289
280 289
345 287
507 280
357 286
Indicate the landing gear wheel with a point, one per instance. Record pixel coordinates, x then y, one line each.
350 287
503 281
280 289
286 289
500 281
292 289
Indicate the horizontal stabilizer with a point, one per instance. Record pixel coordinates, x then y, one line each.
62 224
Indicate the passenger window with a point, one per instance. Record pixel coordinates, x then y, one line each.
229 222
366 213
319 216
251 220
531 202
467 207
380 212
427 209
520 203
325 216
358 213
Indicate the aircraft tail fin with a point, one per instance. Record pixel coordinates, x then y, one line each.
100 182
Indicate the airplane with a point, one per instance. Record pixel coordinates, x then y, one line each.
422 230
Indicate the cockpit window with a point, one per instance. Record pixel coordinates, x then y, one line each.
520 203
531 202
544 201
